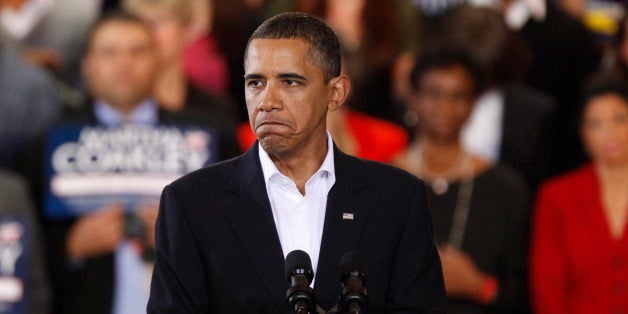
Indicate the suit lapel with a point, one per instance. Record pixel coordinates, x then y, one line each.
252 222
345 218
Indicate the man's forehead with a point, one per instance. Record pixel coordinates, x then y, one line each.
281 45
120 31
278 53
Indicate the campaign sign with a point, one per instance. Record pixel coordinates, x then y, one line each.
91 166
15 258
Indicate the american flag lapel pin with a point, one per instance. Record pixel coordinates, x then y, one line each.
347 216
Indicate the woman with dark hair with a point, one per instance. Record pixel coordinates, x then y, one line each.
479 209
579 249
510 122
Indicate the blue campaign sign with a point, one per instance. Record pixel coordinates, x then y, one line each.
92 166
16 236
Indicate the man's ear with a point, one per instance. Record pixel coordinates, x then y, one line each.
340 87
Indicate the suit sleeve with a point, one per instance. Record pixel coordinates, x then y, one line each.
178 283
416 283
548 275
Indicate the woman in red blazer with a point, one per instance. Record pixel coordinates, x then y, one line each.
579 249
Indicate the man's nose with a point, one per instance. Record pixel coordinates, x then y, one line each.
271 99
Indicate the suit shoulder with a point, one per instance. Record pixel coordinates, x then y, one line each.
576 180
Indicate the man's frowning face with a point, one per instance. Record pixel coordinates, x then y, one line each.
286 95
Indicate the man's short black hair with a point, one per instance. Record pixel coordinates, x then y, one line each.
442 58
110 16
325 46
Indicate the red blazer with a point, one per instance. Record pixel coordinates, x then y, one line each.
576 265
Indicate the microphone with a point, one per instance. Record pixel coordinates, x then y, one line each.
300 297
353 277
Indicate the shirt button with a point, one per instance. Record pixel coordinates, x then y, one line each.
619 288
619 311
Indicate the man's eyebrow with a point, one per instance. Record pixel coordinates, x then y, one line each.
292 76
288 75
253 76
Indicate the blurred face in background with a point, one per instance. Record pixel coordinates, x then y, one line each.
605 129
170 29
442 102
119 66
170 32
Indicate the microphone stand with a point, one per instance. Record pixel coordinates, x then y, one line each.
301 298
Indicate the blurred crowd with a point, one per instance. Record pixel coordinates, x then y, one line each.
514 112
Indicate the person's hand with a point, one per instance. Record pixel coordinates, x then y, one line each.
14 5
147 213
44 58
462 277
96 234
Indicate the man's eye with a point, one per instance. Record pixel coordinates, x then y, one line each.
291 82
254 83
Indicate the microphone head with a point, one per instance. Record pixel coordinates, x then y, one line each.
299 263
352 264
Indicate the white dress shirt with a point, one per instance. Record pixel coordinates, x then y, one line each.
482 133
299 218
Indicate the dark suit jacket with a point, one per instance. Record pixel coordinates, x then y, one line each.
90 287
218 250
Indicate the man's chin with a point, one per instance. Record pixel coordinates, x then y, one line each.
274 144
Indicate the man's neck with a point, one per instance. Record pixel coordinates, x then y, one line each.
144 112
303 164
125 109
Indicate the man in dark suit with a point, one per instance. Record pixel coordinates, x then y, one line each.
223 232
86 265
